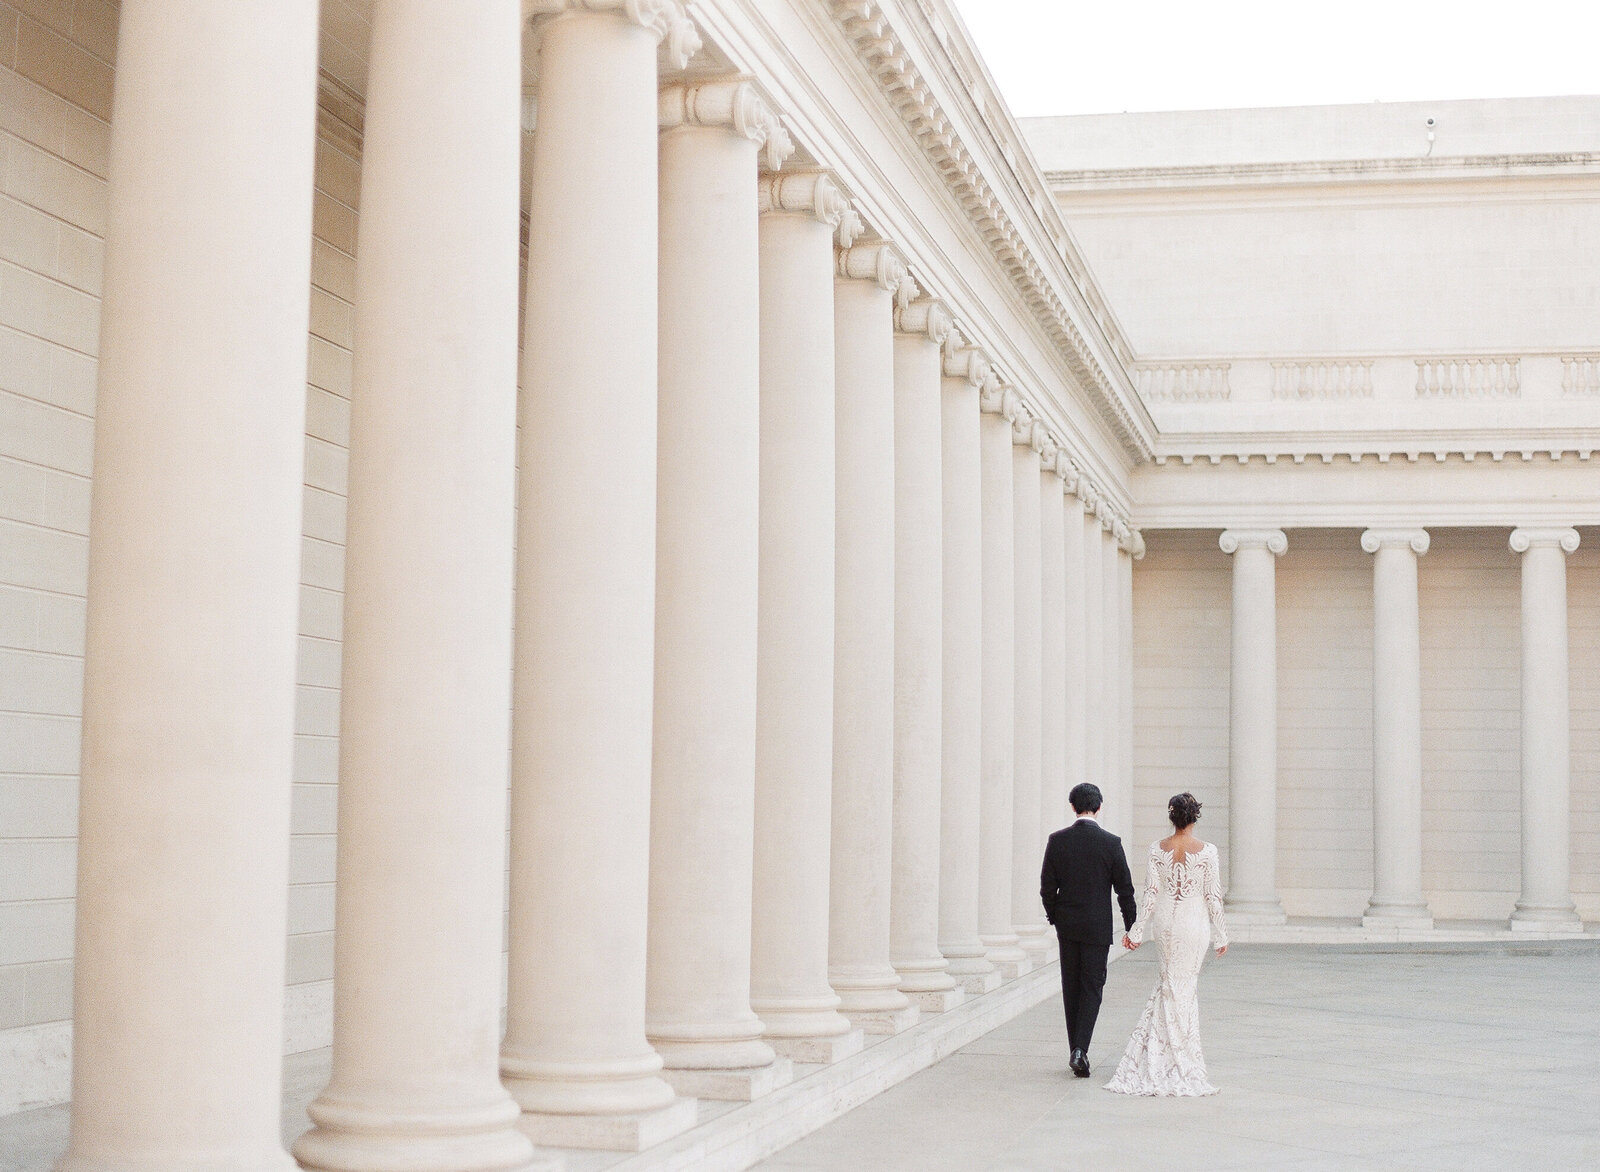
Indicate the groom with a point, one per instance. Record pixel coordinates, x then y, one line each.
1082 865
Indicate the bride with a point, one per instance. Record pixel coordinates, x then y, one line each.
1163 1056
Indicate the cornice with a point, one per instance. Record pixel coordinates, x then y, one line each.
1493 445
879 46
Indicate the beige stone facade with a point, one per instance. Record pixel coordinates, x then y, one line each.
822 603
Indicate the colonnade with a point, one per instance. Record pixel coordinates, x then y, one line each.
1546 903
816 619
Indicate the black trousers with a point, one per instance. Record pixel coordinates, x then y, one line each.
1083 980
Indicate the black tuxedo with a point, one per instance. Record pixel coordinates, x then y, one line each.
1083 865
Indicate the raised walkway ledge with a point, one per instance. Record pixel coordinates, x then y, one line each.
1334 930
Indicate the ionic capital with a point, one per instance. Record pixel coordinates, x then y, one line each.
1138 549
927 316
1022 425
1123 532
1045 444
1272 540
1103 514
1067 469
1524 539
850 228
878 262
1088 493
667 19
964 361
1375 539
803 193
995 397
730 104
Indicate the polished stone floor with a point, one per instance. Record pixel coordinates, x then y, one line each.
1451 1057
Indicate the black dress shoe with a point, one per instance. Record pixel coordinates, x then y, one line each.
1079 1063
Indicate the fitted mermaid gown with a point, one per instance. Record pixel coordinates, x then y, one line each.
1182 913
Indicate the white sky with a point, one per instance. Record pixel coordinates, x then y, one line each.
1105 56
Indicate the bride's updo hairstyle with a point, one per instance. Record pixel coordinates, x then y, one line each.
1184 810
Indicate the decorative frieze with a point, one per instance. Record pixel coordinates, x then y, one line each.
1472 377
1183 382
1580 375
882 53
731 103
1323 378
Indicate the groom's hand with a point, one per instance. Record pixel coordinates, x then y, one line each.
1127 942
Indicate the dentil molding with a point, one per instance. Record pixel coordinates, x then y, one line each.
731 104
1525 538
1372 540
667 19
1274 541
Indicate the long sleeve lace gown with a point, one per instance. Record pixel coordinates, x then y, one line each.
1182 912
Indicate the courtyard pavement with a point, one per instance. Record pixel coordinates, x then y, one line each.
1451 1057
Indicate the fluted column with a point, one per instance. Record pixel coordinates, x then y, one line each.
702 801
1396 730
575 1054
870 278
1252 896
922 326
1053 785
194 553
1079 686
1546 903
961 796
1027 914
789 990
1000 407
425 696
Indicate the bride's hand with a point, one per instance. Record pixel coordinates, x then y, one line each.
1222 950
1127 942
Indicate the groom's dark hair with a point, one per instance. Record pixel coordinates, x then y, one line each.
1085 797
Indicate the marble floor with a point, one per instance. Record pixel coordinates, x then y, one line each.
1444 1056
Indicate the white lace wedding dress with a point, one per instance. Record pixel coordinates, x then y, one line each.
1182 913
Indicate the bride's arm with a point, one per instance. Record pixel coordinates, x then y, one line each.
1152 885
1213 892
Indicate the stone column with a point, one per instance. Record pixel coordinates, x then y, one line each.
1396 730
425 697
1027 914
1094 647
194 556
1252 896
1000 407
1053 648
922 327
965 369
1131 548
1077 642
789 989
871 277
575 1054
702 801
1118 817
1546 903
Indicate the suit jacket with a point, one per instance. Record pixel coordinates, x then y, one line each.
1083 864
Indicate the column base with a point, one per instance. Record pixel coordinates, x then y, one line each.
885 1021
356 1136
938 1000
278 1161
1411 916
980 983
617 1087
924 976
966 960
731 1086
872 992
1263 913
611 1133
750 1052
1532 918
1010 970
821 1050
